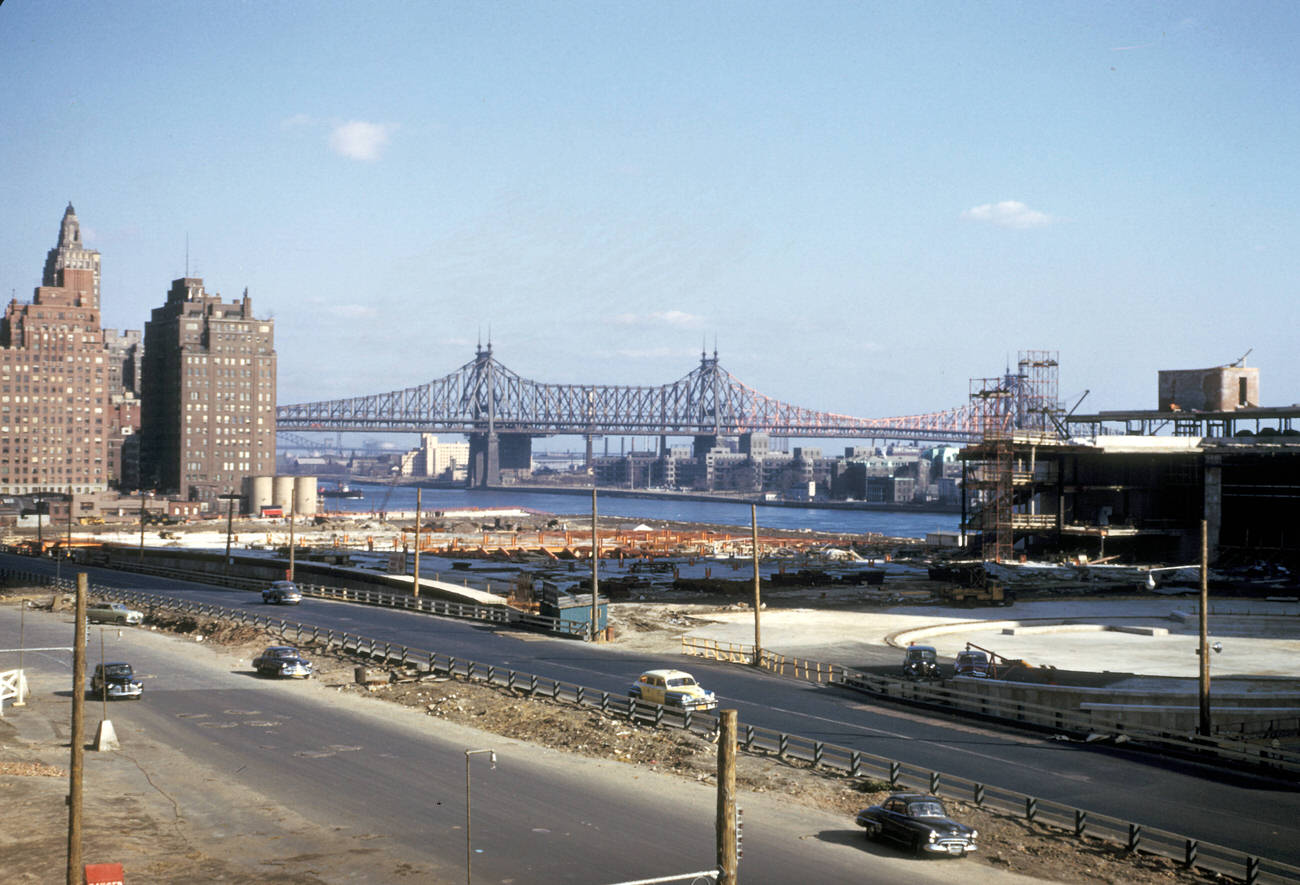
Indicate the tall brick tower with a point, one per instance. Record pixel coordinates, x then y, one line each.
53 378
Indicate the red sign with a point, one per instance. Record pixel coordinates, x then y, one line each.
105 874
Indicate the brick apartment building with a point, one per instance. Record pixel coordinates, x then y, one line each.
207 394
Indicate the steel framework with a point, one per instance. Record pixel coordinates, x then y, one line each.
484 396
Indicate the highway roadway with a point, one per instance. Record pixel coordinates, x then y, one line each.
1246 812
387 784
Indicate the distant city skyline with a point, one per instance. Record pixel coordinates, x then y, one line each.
864 205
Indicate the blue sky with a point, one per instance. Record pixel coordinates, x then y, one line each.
865 204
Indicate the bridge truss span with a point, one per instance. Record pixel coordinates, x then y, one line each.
484 396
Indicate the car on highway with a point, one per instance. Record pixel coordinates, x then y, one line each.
919 823
118 678
672 688
973 662
921 662
282 593
282 660
113 613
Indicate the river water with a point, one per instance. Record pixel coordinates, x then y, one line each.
894 523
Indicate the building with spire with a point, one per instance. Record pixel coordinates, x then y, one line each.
54 392
71 254
207 394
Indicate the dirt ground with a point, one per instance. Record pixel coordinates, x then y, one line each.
1005 842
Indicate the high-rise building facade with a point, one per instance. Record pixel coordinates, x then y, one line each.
53 378
207 394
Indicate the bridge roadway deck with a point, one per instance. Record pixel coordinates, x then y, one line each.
1249 813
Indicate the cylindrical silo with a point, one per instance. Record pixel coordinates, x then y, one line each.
257 492
304 496
282 493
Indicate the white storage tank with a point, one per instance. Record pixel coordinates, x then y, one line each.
304 496
282 494
257 492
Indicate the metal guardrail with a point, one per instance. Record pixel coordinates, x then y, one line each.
428 605
1084 722
1081 823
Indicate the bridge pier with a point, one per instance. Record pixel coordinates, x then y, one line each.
490 453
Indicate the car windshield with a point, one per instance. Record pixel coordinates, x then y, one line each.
117 670
928 808
920 654
284 652
677 681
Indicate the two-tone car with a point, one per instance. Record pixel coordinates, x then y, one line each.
117 681
973 662
672 688
282 660
282 593
113 613
919 823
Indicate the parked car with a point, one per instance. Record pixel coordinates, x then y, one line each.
113 613
918 822
120 680
282 593
973 662
672 688
921 662
282 660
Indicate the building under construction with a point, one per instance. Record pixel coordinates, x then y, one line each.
1133 485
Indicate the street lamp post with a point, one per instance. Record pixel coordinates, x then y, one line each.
492 758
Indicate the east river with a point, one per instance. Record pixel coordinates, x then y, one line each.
894 523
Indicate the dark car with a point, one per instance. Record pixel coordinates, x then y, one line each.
972 662
921 662
282 660
120 680
919 823
282 593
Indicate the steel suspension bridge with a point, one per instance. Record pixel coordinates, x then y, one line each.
485 397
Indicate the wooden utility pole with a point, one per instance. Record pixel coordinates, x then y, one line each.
78 735
415 579
595 569
758 602
1205 726
728 861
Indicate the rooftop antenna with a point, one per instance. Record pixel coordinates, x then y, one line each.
1240 362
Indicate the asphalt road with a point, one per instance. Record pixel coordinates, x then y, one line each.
377 772
1249 813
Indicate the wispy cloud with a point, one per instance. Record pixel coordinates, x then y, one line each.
1008 213
353 311
677 318
360 140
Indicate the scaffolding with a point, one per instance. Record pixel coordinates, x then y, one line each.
1024 403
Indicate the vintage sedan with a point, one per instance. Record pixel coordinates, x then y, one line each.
282 593
919 823
973 662
672 688
282 660
113 613
921 662
119 680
